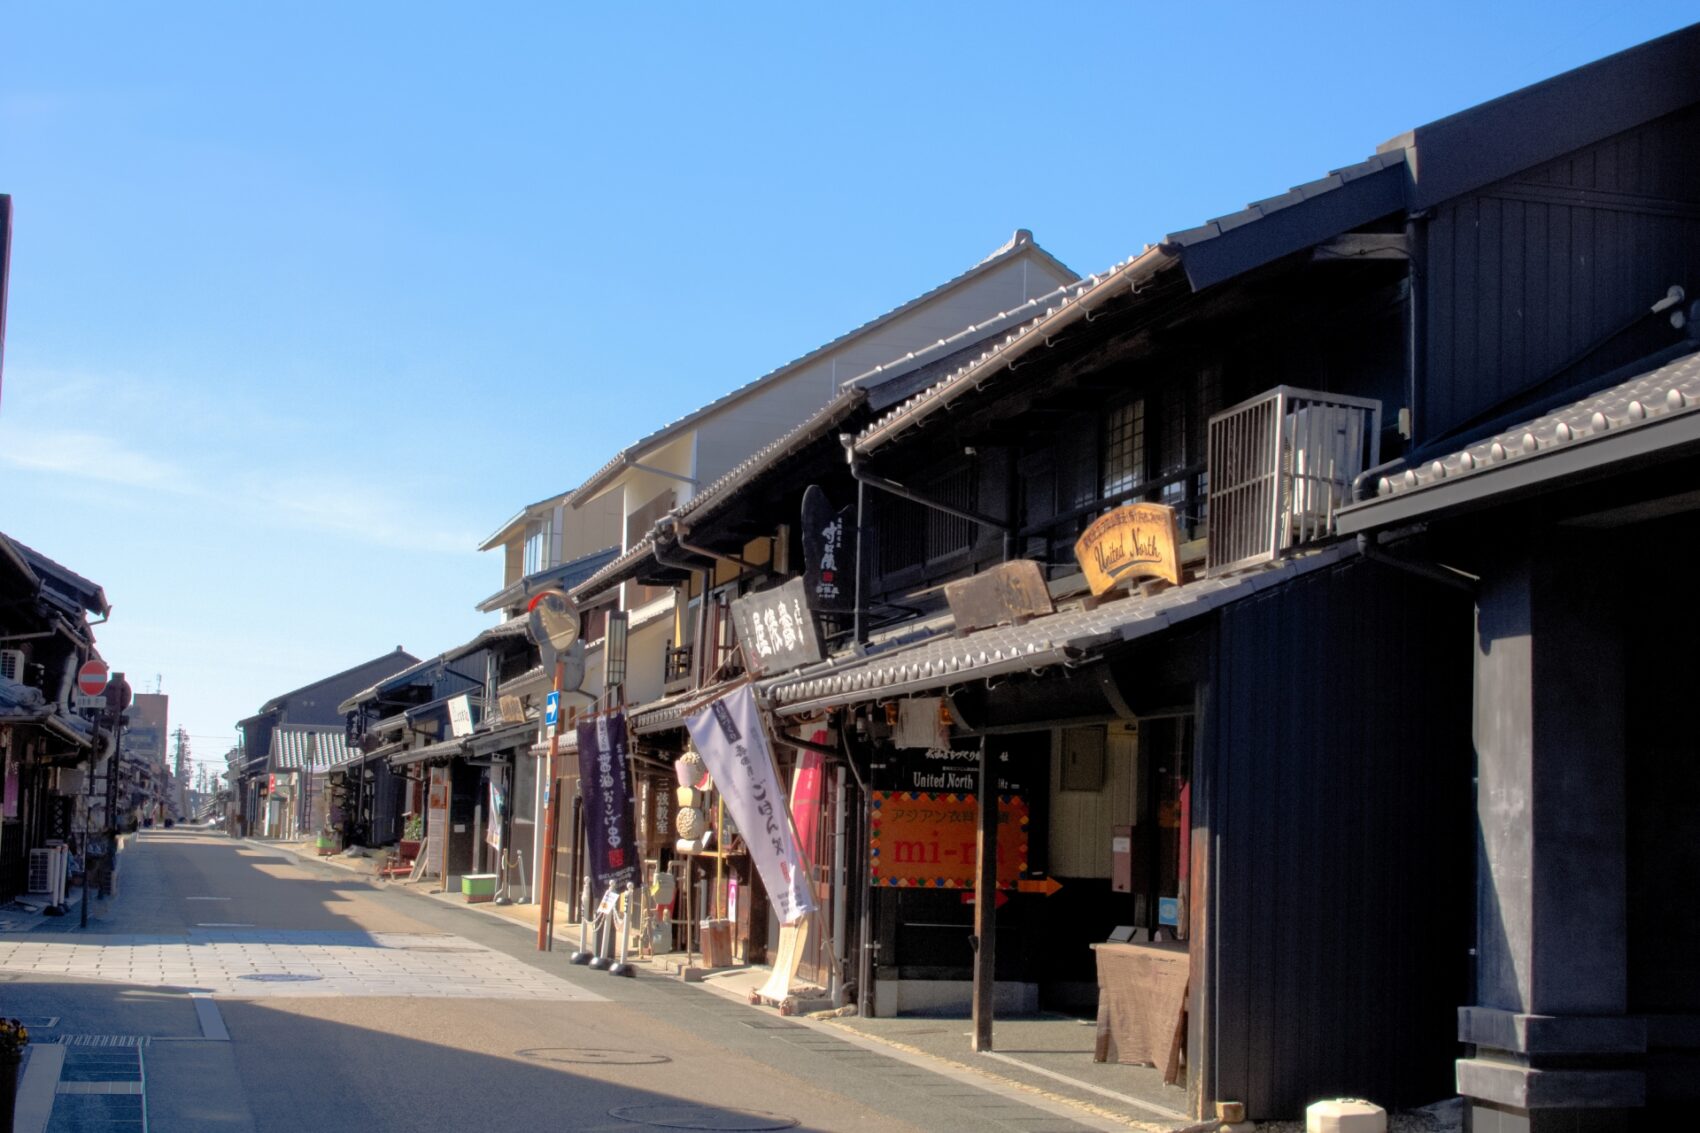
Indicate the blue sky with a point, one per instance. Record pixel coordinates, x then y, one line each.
306 300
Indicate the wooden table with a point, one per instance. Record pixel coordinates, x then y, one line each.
1142 993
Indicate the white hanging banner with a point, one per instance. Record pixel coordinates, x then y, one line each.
728 736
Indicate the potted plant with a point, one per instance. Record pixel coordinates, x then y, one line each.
14 1037
412 837
329 842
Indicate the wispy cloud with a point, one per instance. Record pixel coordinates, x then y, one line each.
340 503
92 456
373 512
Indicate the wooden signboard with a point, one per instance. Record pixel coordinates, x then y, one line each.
437 818
776 629
1136 541
1009 592
829 554
927 840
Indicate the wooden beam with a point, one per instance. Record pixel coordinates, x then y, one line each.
985 902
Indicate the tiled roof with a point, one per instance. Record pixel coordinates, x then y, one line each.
1671 389
1070 636
1078 300
628 565
1070 303
68 584
566 575
667 712
296 748
1022 242
1258 210
715 496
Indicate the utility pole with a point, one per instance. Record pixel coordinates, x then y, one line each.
180 781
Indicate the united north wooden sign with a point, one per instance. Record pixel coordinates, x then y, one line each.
1136 541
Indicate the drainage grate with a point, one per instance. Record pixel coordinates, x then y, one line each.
702 1117
438 948
591 1056
770 1024
278 978
103 1040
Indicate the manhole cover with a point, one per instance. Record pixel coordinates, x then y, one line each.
591 1056
702 1117
278 978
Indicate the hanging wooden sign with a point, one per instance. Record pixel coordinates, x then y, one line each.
1009 592
829 554
1136 541
776 629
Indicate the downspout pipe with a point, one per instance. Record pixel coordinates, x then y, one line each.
671 523
860 473
1370 548
66 680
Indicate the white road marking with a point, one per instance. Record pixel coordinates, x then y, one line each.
206 1012
35 1092
272 963
1125 1099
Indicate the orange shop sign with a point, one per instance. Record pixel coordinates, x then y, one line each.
922 840
1136 541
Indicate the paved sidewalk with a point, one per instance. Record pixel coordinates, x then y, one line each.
1046 1055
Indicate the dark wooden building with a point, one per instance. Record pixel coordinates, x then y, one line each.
1410 408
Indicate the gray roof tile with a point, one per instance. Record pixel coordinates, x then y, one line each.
1068 636
1670 389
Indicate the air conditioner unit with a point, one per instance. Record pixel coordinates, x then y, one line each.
12 665
47 873
1323 451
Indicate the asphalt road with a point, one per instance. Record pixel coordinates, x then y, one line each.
354 1007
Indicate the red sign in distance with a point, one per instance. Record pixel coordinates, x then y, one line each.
92 678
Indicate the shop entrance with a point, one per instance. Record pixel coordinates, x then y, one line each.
1158 862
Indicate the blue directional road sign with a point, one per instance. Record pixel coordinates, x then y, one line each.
552 709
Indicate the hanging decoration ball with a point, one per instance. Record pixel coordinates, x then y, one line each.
689 822
691 770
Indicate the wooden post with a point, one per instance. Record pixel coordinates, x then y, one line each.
546 891
985 901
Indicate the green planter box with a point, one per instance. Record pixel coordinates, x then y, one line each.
476 887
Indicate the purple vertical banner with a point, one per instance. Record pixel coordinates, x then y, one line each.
606 786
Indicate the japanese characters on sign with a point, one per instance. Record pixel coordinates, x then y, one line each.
776 629
605 782
728 736
829 554
1136 541
927 840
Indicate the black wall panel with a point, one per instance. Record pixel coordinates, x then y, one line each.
1333 794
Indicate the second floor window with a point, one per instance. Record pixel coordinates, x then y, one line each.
1123 464
539 547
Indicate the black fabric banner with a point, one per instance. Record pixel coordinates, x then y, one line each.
605 781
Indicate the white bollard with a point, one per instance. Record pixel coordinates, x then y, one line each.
582 956
1345 1115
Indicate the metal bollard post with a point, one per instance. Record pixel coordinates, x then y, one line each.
582 956
604 932
624 967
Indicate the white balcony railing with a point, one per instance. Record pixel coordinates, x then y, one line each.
1280 465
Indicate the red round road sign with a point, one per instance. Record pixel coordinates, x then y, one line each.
92 677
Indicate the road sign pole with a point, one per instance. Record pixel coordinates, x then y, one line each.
551 824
